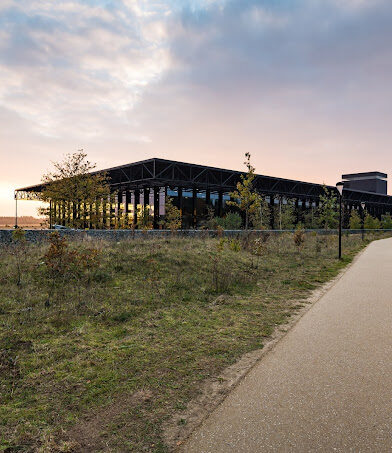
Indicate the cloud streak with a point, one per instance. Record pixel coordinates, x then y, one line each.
71 68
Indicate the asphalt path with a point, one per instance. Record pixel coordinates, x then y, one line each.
327 385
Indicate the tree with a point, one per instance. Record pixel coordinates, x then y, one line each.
211 222
63 263
386 222
355 220
371 223
173 218
299 236
74 190
328 210
311 219
231 221
245 198
261 216
284 215
144 219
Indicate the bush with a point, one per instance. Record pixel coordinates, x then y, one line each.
371 223
231 221
101 276
144 219
386 222
299 236
235 245
173 216
62 263
355 220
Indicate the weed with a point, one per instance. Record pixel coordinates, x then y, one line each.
18 250
299 237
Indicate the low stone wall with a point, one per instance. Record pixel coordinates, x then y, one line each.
120 235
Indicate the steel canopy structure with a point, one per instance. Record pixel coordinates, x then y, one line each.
145 183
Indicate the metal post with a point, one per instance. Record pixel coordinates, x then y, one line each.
108 210
63 213
126 207
135 207
50 215
119 210
68 207
146 203
146 200
220 203
162 202
340 226
84 215
312 214
208 200
180 207
113 211
163 211
102 216
156 207
280 213
194 207
97 218
272 212
55 213
16 210
73 224
90 214
363 221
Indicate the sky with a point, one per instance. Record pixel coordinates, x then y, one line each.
303 85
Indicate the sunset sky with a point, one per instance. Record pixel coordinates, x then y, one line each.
304 85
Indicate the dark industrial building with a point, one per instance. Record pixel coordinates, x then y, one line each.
196 187
373 181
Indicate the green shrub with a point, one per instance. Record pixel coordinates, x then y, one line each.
235 245
101 276
386 222
124 316
355 220
371 223
231 221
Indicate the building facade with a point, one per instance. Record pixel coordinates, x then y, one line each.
195 189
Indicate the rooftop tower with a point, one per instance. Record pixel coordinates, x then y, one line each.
372 181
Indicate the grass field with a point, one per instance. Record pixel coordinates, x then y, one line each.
109 357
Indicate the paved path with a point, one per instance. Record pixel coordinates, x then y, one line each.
327 385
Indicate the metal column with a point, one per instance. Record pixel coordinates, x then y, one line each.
156 207
208 199
135 207
126 207
194 207
220 203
